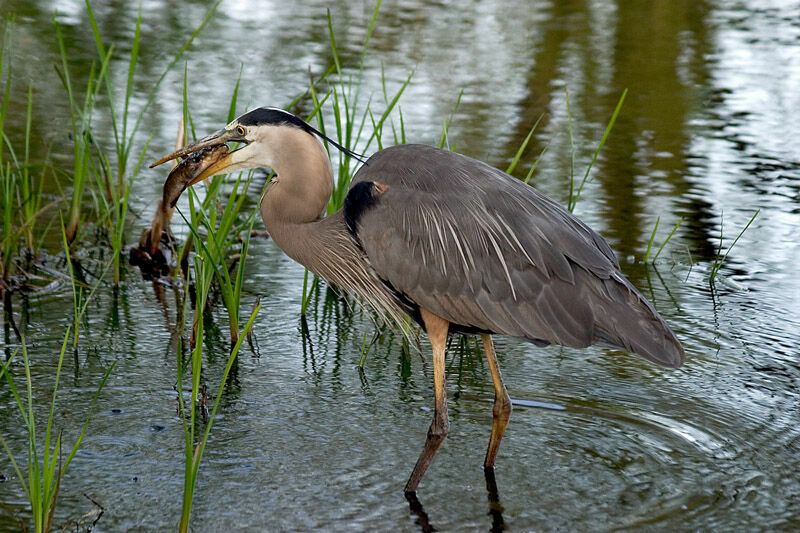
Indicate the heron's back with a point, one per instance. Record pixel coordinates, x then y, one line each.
489 253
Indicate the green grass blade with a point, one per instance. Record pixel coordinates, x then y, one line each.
443 140
390 105
4 46
98 41
370 29
88 418
4 366
20 405
240 270
671 233
718 263
29 389
572 200
29 202
234 97
650 243
523 146
17 470
534 165
154 88
15 393
402 128
306 296
49 429
187 116
600 146
131 72
334 48
194 454
228 366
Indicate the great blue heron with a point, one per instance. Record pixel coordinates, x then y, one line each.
448 240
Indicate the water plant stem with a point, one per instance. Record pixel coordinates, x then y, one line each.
45 467
195 443
720 257
573 198
671 233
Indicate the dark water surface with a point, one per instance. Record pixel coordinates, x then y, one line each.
598 440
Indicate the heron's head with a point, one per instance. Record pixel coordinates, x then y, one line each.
263 135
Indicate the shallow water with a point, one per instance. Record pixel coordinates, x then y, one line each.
598 440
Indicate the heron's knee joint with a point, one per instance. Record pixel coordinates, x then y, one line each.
502 406
439 428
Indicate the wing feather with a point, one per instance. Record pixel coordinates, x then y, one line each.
488 252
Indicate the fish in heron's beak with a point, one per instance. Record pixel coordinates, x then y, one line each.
204 158
193 169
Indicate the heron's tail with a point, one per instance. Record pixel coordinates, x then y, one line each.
627 320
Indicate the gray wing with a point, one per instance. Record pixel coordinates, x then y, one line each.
488 252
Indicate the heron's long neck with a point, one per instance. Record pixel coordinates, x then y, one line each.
296 199
293 209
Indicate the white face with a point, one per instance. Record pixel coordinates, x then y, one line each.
257 152
282 146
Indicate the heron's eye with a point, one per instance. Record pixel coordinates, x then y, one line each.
240 130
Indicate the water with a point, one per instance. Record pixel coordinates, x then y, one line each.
598 440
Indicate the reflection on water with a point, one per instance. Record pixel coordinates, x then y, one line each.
598 439
495 513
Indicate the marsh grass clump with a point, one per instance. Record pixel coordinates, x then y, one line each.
219 232
45 463
21 180
115 182
81 113
355 133
99 181
196 412
219 257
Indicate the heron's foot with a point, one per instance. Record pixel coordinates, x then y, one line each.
436 435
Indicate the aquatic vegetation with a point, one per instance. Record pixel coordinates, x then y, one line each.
46 466
443 138
351 132
222 234
521 150
108 181
225 224
81 121
9 240
80 296
720 256
575 195
219 217
117 185
194 437
663 244
29 196
20 192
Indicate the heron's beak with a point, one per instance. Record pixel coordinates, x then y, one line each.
214 168
215 139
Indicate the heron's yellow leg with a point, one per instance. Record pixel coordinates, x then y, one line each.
502 403
437 332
